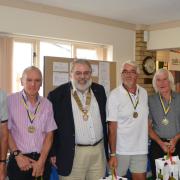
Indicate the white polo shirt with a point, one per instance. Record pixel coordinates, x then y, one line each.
132 133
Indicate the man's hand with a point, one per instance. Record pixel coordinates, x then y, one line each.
53 161
173 143
165 146
113 162
38 168
2 171
24 162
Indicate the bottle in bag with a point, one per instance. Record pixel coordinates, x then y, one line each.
171 177
160 176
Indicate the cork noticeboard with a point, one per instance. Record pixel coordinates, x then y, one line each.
57 70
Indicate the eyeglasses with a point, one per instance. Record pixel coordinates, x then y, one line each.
85 73
125 72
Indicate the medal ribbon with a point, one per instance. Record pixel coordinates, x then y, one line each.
79 103
137 100
30 115
166 110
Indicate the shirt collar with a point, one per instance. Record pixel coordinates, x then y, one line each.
26 98
137 89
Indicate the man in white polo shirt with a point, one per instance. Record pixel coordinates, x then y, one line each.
127 116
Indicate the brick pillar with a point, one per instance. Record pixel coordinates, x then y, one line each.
142 52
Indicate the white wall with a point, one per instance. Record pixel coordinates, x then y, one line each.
19 21
164 39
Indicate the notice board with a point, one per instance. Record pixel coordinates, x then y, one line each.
57 72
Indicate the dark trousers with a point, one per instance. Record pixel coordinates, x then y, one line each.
14 172
156 152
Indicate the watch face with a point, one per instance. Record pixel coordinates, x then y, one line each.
149 65
16 152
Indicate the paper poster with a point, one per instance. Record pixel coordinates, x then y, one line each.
104 76
94 70
60 66
60 78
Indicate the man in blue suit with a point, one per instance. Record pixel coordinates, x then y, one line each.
80 142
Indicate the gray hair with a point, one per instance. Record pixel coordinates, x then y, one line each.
80 61
170 78
31 68
132 63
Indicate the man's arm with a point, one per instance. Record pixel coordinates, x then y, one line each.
4 140
38 167
23 162
112 135
153 135
3 149
174 141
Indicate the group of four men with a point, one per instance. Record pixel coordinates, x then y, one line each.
77 117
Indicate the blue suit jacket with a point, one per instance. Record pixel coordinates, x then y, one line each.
64 137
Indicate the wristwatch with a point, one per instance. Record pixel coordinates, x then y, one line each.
16 153
112 154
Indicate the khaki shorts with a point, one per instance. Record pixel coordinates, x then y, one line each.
135 163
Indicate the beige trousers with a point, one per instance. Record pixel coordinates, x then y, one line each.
89 163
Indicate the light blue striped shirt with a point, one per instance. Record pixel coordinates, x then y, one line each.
3 106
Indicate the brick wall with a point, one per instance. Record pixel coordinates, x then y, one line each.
141 52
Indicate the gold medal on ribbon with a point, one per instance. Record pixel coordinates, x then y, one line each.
165 121
135 104
135 114
31 116
31 129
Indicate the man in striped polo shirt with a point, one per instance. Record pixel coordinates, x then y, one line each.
31 125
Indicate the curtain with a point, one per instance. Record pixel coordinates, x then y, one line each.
6 69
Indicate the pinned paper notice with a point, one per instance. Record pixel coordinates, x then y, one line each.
60 78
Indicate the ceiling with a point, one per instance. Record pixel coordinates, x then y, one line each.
142 12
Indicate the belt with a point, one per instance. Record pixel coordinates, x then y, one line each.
96 143
33 155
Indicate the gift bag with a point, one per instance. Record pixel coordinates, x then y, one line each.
54 175
168 168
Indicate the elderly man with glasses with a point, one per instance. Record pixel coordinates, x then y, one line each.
80 143
127 116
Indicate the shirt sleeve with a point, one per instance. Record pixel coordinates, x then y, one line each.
3 107
111 108
149 105
50 122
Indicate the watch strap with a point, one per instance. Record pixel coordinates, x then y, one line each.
16 153
3 161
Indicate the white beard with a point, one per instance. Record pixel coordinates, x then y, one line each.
81 87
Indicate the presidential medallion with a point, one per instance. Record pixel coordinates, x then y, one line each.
31 129
135 114
85 117
165 121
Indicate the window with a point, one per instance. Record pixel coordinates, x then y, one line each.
55 49
88 51
22 57
27 52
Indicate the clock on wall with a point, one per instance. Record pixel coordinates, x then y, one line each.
149 65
